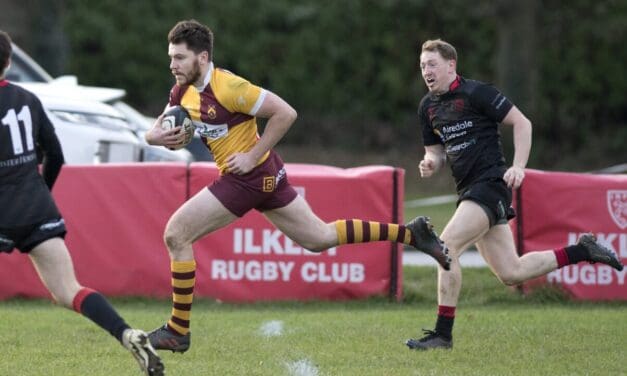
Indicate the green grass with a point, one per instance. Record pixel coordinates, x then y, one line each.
438 214
498 332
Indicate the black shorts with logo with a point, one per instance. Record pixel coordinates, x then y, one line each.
494 197
27 237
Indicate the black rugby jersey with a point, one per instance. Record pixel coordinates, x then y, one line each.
465 120
25 197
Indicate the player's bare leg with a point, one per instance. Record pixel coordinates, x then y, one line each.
199 216
54 265
467 225
298 222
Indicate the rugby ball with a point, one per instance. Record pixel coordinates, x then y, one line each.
177 116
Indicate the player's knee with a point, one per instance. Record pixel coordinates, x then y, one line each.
454 247
313 246
173 239
317 245
322 239
509 278
65 296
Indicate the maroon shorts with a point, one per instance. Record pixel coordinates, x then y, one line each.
264 188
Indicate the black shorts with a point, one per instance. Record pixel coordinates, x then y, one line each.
25 238
494 197
264 188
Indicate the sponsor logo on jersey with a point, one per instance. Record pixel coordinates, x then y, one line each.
52 225
19 160
211 131
269 182
450 132
462 146
498 101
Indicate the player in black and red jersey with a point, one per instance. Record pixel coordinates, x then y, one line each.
459 119
30 220
224 108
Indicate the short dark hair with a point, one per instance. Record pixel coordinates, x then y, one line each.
5 50
198 37
444 48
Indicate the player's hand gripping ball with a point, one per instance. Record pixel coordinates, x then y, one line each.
178 116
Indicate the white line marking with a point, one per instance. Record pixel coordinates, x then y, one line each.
272 328
303 367
430 201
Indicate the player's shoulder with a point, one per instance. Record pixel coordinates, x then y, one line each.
424 102
17 89
471 86
176 94
225 79
21 94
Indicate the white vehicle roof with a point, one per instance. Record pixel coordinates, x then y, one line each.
78 96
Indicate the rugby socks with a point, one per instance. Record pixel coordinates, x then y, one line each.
183 281
446 319
570 255
95 307
357 231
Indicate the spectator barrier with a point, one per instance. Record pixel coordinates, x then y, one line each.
555 208
115 215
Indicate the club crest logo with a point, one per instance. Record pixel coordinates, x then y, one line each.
211 112
617 205
458 105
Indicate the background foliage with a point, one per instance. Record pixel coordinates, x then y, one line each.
349 67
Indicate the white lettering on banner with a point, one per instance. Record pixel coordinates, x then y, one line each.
614 241
272 242
251 270
588 275
340 272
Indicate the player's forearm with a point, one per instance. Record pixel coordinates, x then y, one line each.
522 143
276 127
51 167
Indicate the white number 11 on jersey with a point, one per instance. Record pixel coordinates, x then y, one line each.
11 120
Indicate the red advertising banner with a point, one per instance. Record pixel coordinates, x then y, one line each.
251 260
555 208
116 214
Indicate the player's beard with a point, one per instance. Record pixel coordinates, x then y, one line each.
192 76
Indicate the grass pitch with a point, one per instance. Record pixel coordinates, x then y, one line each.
497 332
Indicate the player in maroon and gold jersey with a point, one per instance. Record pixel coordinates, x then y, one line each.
224 108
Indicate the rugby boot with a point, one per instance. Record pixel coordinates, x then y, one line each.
432 340
598 253
136 341
163 339
427 241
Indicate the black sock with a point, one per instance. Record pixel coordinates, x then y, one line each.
444 326
576 253
96 308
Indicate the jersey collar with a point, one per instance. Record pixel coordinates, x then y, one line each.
455 84
207 79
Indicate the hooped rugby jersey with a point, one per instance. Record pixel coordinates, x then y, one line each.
223 113
465 121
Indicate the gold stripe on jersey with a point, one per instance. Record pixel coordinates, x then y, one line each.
226 100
